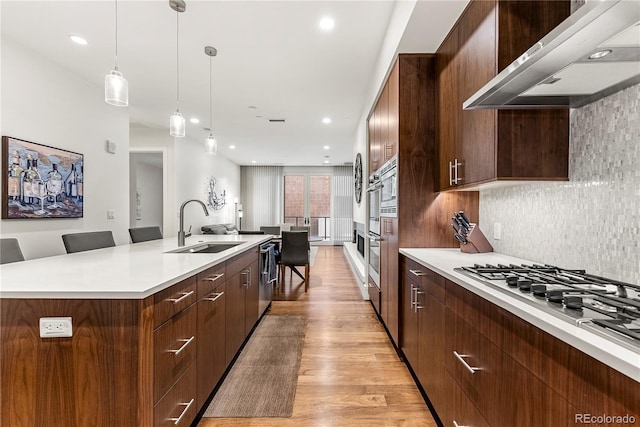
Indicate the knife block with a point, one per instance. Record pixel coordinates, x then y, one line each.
476 241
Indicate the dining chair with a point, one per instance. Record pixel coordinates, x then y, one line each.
270 229
80 242
144 234
294 252
306 228
10 251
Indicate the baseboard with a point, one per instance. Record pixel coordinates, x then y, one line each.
357 267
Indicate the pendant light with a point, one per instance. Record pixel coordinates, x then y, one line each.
176 121
211 145
116 87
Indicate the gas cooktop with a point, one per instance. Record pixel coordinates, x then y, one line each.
607 307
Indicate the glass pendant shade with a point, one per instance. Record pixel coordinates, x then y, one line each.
211 145
177 125
116 89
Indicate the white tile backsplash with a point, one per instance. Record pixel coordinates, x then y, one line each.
591 222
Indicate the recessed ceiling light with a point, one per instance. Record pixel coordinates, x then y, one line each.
326 147
194 120
252 107
326 120
326 161
600 54
253 161
327 23
232 147
79 40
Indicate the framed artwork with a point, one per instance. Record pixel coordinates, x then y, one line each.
41 181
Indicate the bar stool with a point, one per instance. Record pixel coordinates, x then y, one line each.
80 242
144 234
10 251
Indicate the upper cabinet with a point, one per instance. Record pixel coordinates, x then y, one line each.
383 124
477 147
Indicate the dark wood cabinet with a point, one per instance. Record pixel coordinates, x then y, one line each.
211 360
423 329
389 288
252 295
235 312
243 287
150 362
409 99
489 376
482 146
492 367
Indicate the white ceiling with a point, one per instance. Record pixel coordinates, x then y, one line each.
271 55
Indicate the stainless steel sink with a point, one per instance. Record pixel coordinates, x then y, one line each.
206 248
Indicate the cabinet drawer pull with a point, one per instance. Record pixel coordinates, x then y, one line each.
217 295
184 295
457 179
413 298
461 357
450 175
417 273
247 275
182 347
176 421
213 279
417 307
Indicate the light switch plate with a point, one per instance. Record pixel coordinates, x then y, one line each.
497 231
111 214
111 147
55 327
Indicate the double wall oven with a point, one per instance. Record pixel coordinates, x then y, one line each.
382 203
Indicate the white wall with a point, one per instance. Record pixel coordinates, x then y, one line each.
157 141
194 168
46 104
146 192
388 52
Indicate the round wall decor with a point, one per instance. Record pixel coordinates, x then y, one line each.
357 178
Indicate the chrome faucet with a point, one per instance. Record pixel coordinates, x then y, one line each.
181 234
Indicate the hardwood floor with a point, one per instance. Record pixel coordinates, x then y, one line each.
350 375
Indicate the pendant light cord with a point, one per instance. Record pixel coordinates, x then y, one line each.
116 67
177 62
210 99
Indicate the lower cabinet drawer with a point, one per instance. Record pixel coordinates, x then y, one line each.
178 406
459 409
174 350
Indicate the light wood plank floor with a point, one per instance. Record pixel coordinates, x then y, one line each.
350 374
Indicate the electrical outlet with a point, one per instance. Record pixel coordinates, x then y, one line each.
53 327
111 214
497 231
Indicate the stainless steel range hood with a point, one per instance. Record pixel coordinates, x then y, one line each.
593 53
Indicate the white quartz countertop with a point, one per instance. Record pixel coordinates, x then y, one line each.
443 262
133 271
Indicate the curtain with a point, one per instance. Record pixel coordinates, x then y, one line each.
342 190
261 196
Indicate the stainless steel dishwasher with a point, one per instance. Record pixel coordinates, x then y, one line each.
268 275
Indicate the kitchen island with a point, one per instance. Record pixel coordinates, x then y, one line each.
152 331
474 347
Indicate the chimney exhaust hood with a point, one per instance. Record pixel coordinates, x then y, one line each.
593 53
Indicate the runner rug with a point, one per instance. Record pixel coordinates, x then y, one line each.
262 382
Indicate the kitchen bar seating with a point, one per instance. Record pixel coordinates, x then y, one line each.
144 234
10 251
79 242
271 229
294 251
